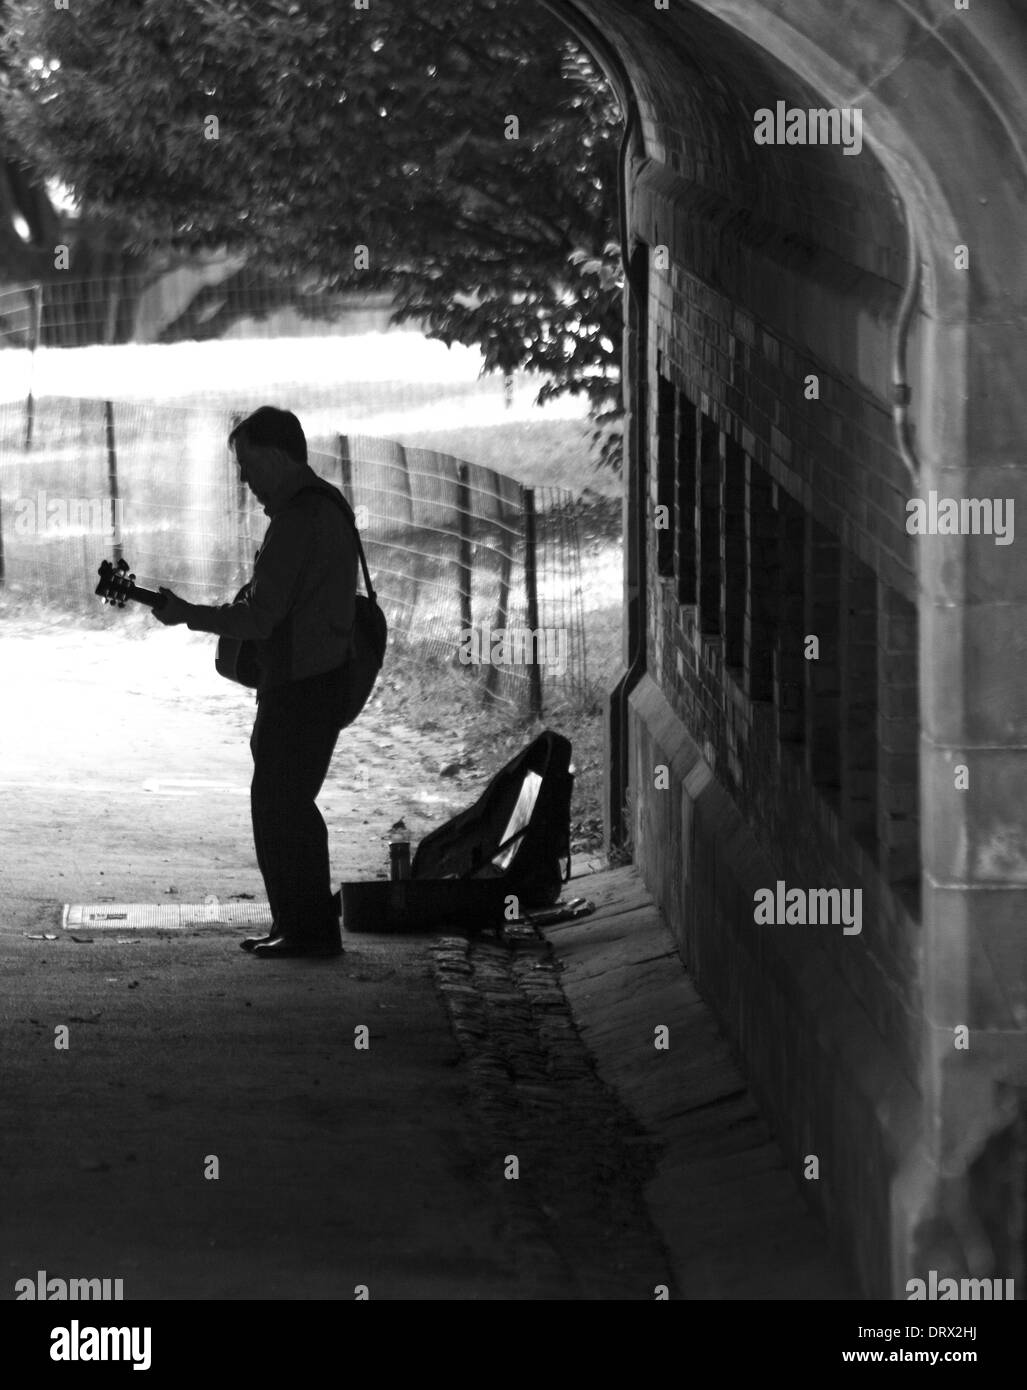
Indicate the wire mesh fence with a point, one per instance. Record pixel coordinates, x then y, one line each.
469 566
349 367
194 300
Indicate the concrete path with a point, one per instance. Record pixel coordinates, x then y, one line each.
728 1211
124 770
210 1130
335 1166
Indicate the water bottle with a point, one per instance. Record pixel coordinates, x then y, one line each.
399 858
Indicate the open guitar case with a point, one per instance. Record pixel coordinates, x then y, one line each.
513 843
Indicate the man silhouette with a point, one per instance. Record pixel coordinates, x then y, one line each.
299 611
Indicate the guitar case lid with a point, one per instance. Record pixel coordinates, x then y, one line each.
518 831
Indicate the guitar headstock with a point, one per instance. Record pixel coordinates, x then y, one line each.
116 582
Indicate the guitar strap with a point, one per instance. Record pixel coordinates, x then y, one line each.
347 512
363 565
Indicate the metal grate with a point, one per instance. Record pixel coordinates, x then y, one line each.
163 916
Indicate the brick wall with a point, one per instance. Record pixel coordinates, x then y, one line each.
767 559
775 513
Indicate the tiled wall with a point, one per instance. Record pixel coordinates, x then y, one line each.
770 264
777 511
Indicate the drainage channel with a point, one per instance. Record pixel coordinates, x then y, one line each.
576 1214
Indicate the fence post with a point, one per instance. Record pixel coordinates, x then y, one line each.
346 469
403 464
35 327
464 573
503 601
110 327
112 480
531 584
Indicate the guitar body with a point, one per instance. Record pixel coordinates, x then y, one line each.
236 658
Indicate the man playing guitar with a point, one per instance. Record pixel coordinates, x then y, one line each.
298 610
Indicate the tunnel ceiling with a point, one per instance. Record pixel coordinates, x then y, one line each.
698 86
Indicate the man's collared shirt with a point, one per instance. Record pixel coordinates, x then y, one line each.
301 600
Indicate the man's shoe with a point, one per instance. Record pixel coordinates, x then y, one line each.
249 942
283 947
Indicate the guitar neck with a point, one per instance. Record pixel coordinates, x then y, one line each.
150 597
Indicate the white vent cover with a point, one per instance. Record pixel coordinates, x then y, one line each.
164 916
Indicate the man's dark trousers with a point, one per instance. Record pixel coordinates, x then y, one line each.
294 736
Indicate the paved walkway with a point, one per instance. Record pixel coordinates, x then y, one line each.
727 1210
388 1166
575 1215
476 1149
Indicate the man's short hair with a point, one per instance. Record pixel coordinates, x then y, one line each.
274 429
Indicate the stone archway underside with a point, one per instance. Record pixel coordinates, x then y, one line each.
781 261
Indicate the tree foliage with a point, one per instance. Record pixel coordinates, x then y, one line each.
338 128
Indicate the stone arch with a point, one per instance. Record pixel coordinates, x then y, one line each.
944 101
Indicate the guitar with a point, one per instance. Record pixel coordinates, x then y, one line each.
236 658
